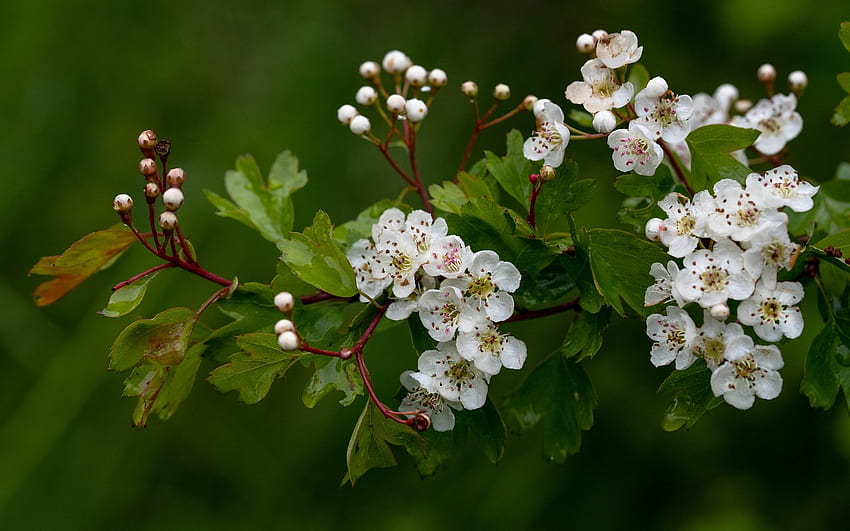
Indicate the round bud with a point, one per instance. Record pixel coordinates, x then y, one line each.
766 73
366 96
395 103
168 220
798 80
284 325
743 106
370 70
345 113
416 76
163 148
176 177
656 87
173 199
469 89
287 341
122 203
653 229
501 92
437 78
529 101
720 311
533 178
360 125
604 121
284 301
416 110
547 173
147 140
396 62
585 43
599 34
147 167
151 191
726 94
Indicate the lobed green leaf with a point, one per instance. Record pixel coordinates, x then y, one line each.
711 161
512 170
584 338
692 396
162 340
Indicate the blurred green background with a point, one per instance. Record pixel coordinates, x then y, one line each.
219 78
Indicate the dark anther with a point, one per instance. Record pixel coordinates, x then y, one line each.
163 148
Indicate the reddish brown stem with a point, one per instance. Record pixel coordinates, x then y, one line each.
143 274
384 150
152 220
417 179
536 185
480 125
185 246
676 167
534 314
322 352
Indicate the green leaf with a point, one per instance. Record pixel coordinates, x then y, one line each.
512 170
179 383
711 161
638 77
449 197
546 287
844 35
251 306
561 195
82 259
145 382
333 374
580 118
487 430
584 338
580 270
126 299
265 207
315 321
841 114
442 449
559 394
162 340
369 446
620 262
692 396
820 383
317 260
831 211
844 81
252 371
653 186
637 211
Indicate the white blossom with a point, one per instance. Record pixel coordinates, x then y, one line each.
448 257
550 139
686 222
635 150
746 376
777 120
674 335
490 350
717 342
619 49
712 277
487 286
739 215
397 257
664 287
771 312
361 256
664 114
440 312
768 252
456 379
600 89
781 186
435 406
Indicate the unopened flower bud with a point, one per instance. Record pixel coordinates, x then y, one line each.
284 325
284 301
395 103
766 73
168 220
798 80
288 341
147 167
653 229
173 199
396 62
547 173
539 106
147 140
437 78
585 43
501 92
366 96
469 89
656 87
599 34
122 203
176 177
345 114
533 178
416 75
360 125
743 106
604 122
420 422
370 70
416 110
726 94
720 311
529 101
151 191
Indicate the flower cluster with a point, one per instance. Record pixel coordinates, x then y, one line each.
732 244
459 296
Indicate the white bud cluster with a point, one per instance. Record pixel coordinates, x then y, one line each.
287 336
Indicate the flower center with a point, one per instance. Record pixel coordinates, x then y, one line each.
775 253
770 125
712 349
771 310
402 262
665 111
481 287
685 224
747 217
714 279
745 367
490 341
460 374
449 312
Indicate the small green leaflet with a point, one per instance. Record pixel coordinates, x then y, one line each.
162 340
580 270
450 197
831 212
369 446
512 170
827 365
82 259
692 396
265 207
711 161
638 77
333 374
487 430
653 186
559 394
126 299
842 110
584 339
844 35
315 258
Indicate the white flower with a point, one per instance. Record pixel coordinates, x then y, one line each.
717 342
448 257
619 49
491 350
635 150
686 222
769 251
600 90
391 220
738 215
487 286
435 406
748 375
401 309
551 138
397 257
674 336
440 312
445 372
424 228
712 277
666 115
361 256
782 187
771 312
777 121
664 288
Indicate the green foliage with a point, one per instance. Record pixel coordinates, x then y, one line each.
561 195
831 212
580 117
127 298
581 272
487 430
163 339
638 76
711 161
584 339
361 227
644 192
547 286
316 259
451 197
559 394
369 446
512 170
691 396
841 114
251 308
85 257
264 206
332 374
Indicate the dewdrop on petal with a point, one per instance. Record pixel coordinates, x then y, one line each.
469 89
416 110
147 167
284 325
604 121
720 311
395 103
147 140
370 70
287 341
396 62
798 80
168 220
346 113
284 301
360 125
416 75
176 177
173 199
585 43
502 92
437 78
767 73
366 95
